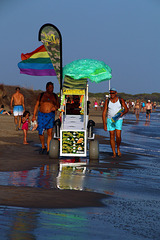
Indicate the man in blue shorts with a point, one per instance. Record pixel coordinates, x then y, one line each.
18 108
111 107
47 103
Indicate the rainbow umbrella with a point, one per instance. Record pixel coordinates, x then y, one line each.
94 70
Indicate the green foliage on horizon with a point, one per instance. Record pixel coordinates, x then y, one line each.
6 92
98 95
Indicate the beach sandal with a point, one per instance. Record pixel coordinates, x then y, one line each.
42 151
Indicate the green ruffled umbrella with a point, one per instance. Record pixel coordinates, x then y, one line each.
94 70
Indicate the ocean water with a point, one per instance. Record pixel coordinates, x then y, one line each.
131 210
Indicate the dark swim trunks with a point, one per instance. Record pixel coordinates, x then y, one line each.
45 121
148 111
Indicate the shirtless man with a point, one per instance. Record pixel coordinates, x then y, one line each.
47 103
18 108
111 107
148 110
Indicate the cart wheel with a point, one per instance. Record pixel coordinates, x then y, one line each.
54 149
94 150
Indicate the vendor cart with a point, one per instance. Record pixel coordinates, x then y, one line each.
74 130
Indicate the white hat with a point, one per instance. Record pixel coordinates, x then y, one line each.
113 89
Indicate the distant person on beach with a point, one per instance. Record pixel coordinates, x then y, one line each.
137 109
101 104
154 106
18 108
133 104
148 110
143 106
2 111
47 103
25 121
130 105
96 105
111 107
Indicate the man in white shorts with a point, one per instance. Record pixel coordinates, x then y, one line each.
111 107
19 107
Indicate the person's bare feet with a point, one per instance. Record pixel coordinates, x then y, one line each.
114 155
25 143
119 153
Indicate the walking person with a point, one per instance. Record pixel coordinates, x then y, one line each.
25 121
96 105
137 109
143 107
102 104
111 107
18 108
148 110
154 106
46 105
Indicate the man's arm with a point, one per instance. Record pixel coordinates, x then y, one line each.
11 104
23 103
57 104
104 115
125 107
23 119
35 109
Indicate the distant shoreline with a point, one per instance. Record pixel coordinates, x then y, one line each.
6 91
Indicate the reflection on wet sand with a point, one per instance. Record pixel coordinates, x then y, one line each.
147 123
71 175
67 174
23 225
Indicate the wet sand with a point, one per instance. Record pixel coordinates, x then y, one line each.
113 197
14 156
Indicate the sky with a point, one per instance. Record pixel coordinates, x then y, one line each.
122 33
